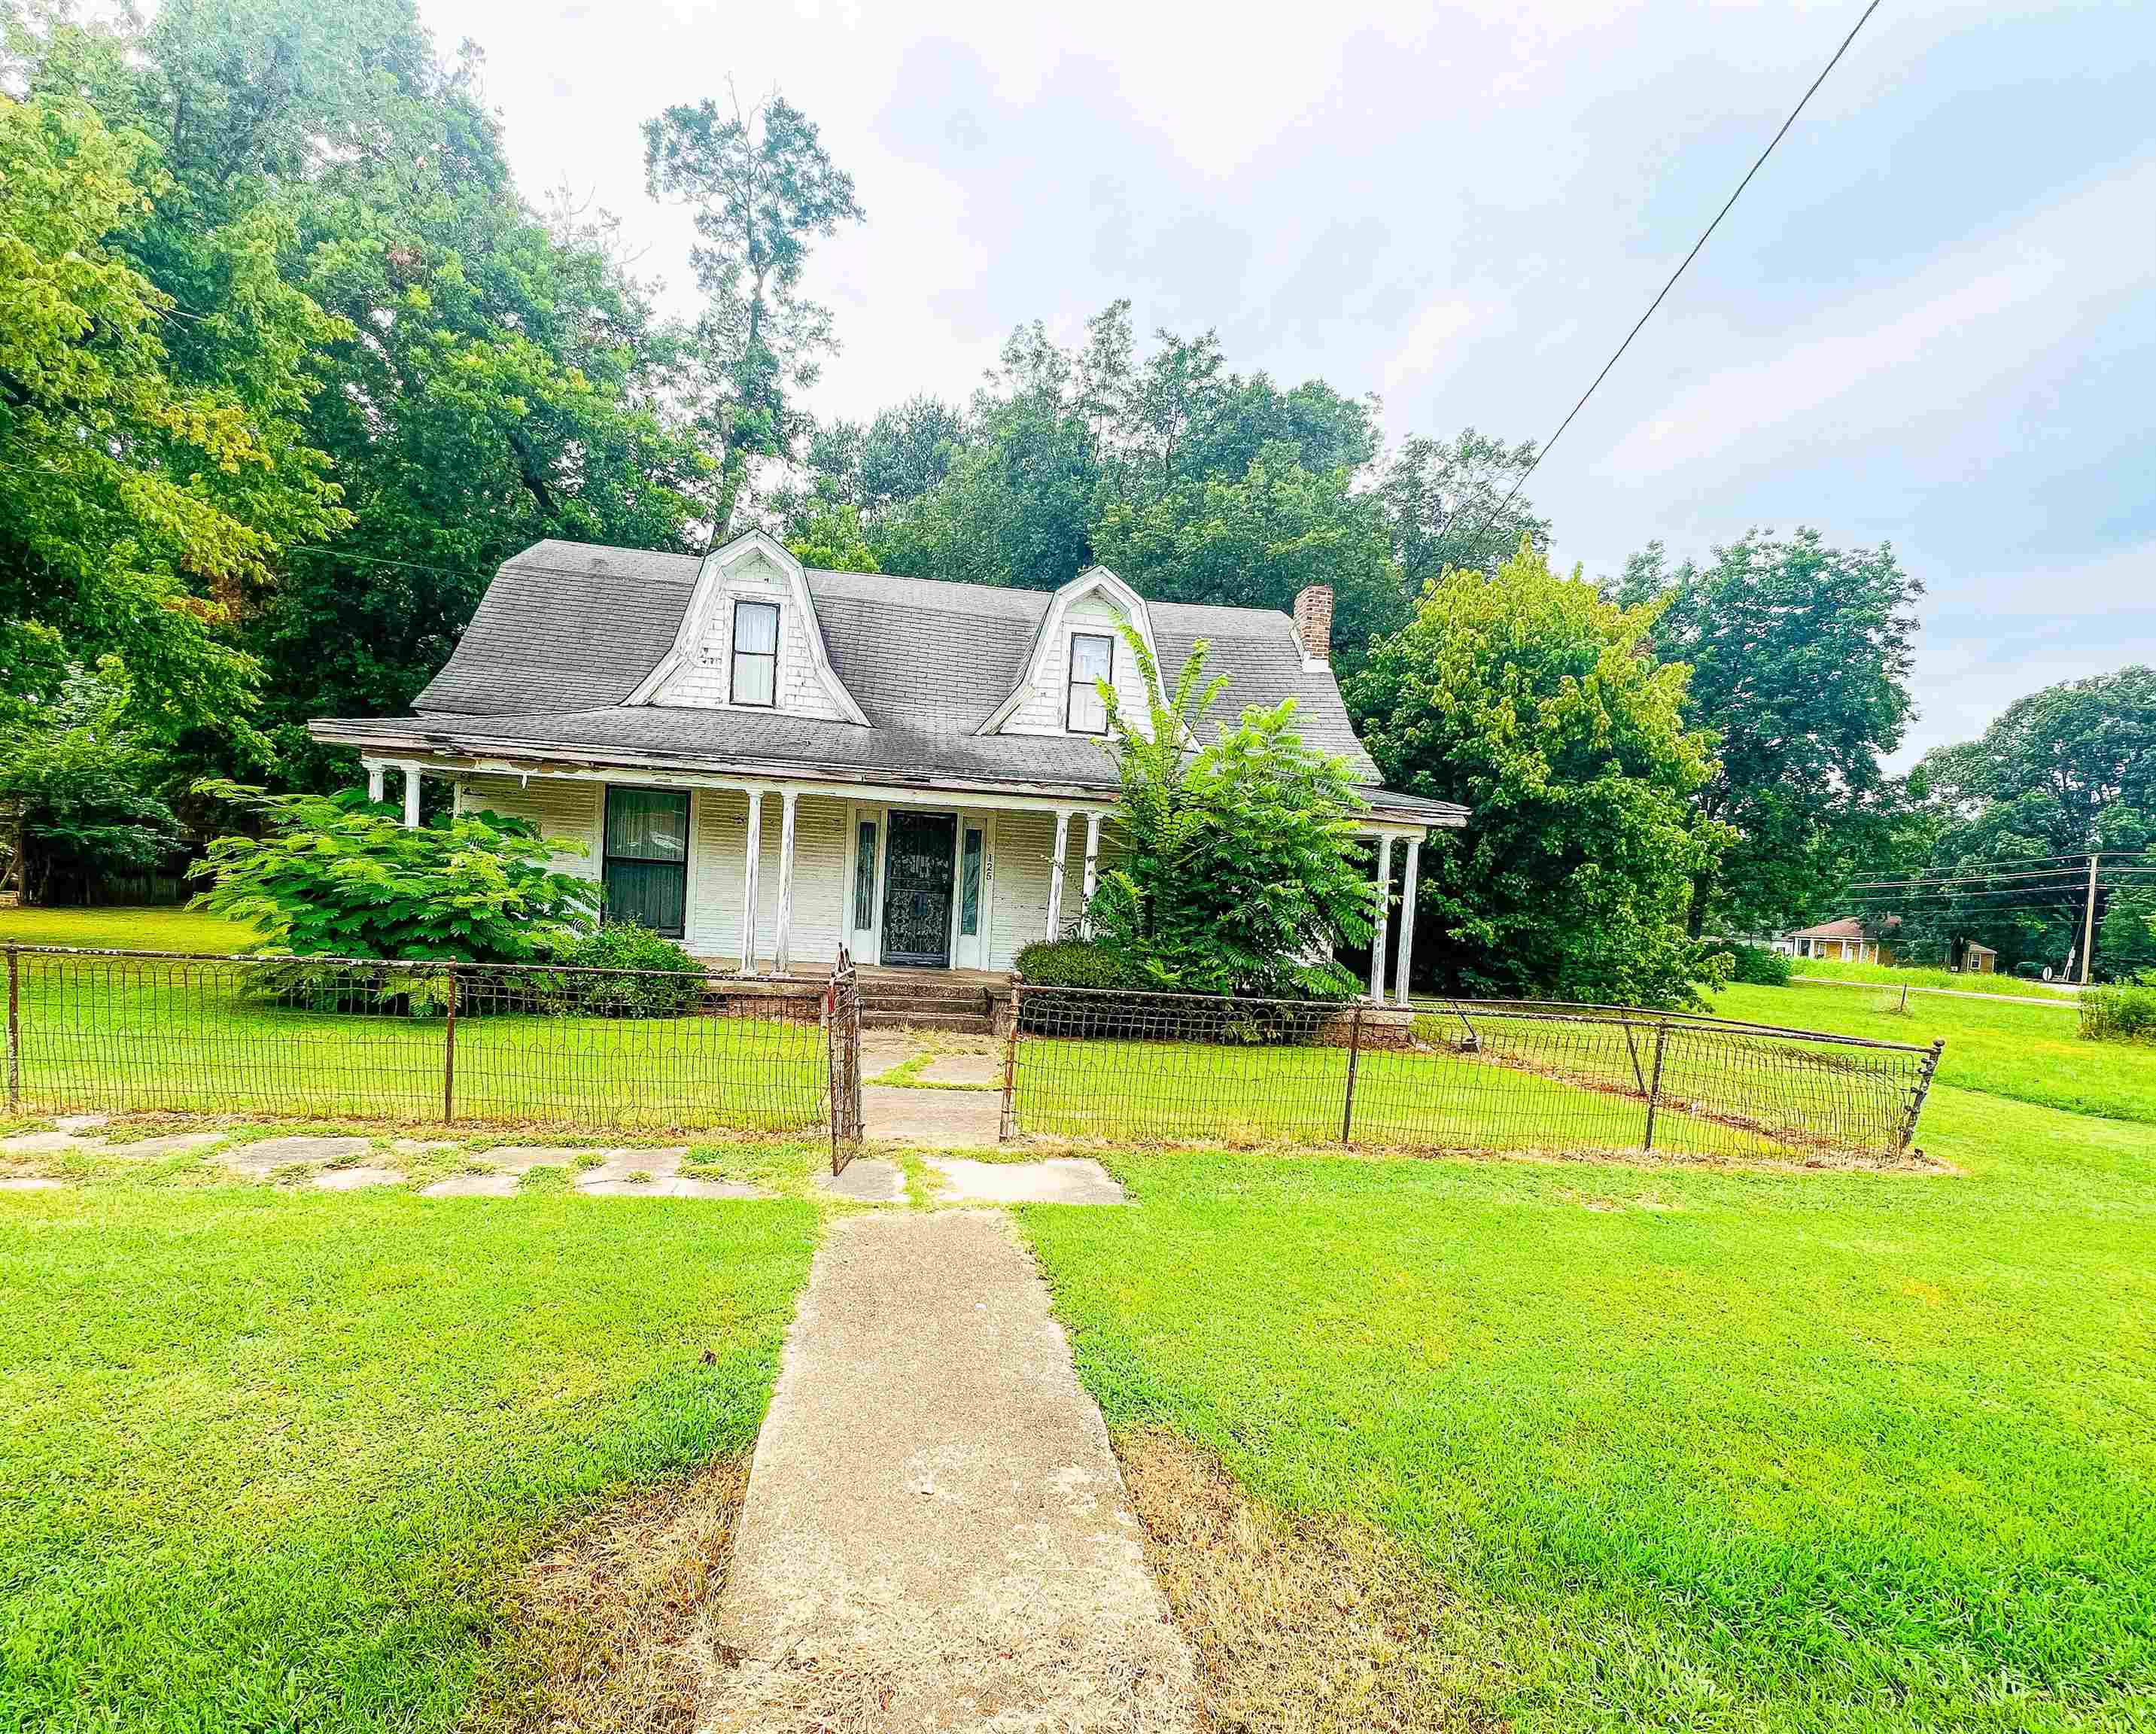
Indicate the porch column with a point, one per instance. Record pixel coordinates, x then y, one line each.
1378 934
784 944
1056 872
1092 869
1414 846
374 779
411 798
748 879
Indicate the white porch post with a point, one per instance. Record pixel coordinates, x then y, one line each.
1414 847
1092 868
1055 872
748 879
411 798
784 944
1384 883
374 779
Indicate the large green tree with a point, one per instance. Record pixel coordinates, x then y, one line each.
1799 655
144 498
1523 694
356 282
2061 773
762 189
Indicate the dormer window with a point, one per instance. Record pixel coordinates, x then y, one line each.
756 654
1092 660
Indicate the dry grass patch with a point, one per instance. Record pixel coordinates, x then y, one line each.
1299 1626
606 1628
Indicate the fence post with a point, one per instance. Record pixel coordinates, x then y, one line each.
1925 1067
1654 1089
449 1054
14 1029
1007 1124
1354 1054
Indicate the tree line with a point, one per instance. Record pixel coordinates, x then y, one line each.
288 364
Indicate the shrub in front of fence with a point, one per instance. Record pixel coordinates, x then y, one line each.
643 975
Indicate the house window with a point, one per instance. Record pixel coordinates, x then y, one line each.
756 654
646 870
969 884
864 866
1092 659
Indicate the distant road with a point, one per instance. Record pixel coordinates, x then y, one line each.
2065 1003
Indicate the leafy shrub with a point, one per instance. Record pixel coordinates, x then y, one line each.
673 983
337 876
2122 1011
1757 966
1082 963
1242 870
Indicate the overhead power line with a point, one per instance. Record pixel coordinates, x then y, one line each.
1544 450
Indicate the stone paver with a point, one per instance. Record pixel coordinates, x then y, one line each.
883 1048
938 1119
354 1179
472 1185
169 1144
618 1167
867 1180
935 1535
82 1122
46 1143
259 1159
981 1071
29 1183
1057 1180
522 1158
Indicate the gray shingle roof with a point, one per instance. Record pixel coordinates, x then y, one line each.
567 632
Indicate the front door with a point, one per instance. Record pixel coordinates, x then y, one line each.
918 862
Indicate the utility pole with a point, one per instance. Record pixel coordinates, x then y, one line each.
2088 921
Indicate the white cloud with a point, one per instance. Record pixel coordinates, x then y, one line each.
1435 339
1913 351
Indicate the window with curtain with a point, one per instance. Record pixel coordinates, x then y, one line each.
1092 659
969 884
646 867
864 870
756 654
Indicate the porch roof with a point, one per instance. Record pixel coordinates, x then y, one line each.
778 748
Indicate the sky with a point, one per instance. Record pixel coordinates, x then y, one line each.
1931 320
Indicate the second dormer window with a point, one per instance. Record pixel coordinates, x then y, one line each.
1092 660
756 654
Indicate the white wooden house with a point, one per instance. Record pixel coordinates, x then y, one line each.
770 763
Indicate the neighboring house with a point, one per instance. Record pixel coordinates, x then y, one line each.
770 763
1847 940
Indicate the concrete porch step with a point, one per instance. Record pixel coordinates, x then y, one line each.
975 1022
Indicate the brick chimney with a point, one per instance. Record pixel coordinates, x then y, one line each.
1313 622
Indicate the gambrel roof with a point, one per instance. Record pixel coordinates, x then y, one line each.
566 641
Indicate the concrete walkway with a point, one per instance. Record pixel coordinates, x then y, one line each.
933 1119
937 1536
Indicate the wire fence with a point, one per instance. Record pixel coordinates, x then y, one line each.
364 1039
1100 1064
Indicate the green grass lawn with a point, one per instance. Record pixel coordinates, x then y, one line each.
1688 1449
2029 1052
118 1036
1529 1084
1898 976
268 1459
126 929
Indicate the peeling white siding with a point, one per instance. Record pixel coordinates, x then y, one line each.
1041 711
717 856
561 810
704 680
1024 844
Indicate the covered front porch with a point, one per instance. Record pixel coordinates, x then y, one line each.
771 876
